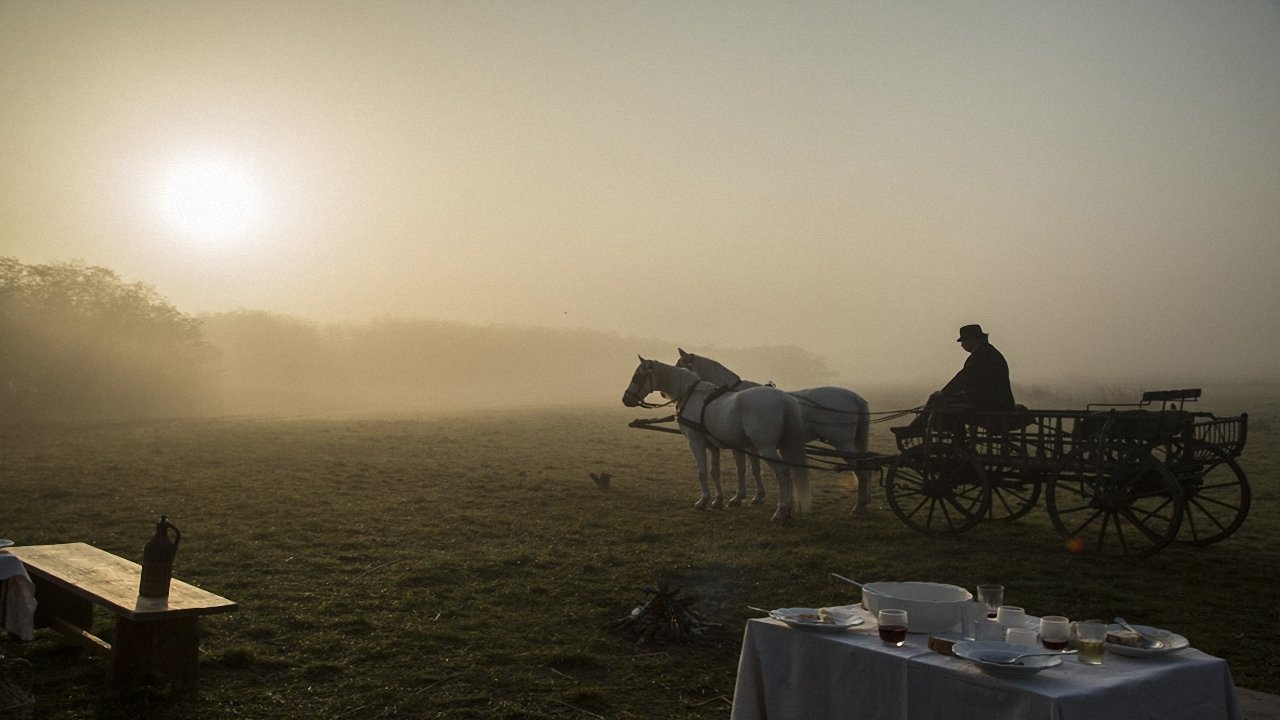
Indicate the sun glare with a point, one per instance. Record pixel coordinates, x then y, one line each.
209 199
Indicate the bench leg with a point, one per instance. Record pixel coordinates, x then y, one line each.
155 650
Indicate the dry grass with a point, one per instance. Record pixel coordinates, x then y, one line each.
464 566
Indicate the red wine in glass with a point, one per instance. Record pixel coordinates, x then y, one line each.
893 634
1055 643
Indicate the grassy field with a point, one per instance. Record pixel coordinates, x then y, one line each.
466 566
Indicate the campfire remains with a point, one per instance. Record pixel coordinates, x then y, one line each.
666 616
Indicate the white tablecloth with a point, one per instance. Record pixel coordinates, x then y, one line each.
17 598
785 673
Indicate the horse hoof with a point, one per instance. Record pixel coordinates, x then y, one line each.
757 500
735 501
780 516
717 505
700 505
860 510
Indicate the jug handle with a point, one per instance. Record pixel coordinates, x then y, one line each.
177 533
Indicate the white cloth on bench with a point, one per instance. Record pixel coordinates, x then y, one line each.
17 598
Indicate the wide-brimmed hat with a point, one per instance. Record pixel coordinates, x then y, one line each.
971 332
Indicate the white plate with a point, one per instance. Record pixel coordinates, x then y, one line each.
811 619
977 652
1172 642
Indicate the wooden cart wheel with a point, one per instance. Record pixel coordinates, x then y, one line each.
1115 500
937 489
1216 493
1011 497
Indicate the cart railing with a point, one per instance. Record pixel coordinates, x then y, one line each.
1226 434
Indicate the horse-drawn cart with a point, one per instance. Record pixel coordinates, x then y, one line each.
1119 480
1124 480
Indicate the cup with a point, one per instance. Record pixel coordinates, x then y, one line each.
1055 632
969 617
992 596
1091 641
893 626
988 629
1026 637
1011 616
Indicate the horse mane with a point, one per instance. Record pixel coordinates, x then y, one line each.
675 374
711 370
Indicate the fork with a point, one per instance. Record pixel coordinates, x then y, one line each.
1148 641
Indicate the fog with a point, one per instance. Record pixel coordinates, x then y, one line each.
1097 184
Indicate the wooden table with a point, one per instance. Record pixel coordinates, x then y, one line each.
156 639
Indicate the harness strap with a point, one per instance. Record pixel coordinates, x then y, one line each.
700 425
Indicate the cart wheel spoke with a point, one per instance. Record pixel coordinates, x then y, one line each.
1217 498
1137 497
937 489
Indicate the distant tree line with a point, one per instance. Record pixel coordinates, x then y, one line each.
77 341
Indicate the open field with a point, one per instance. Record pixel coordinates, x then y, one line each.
464 566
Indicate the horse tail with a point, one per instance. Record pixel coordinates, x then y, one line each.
795 454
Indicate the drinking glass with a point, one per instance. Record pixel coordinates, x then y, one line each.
1026 637
1011 616
1091 641
988 629
992 596
893 626
970 614
1055 632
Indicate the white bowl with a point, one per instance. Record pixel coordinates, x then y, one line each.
931 607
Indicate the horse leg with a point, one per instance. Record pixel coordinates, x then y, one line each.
740 465
717 503
783 473
863 505
755 471
700 456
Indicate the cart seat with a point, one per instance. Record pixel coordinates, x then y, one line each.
1141 426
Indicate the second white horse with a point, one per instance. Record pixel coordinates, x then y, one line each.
833 415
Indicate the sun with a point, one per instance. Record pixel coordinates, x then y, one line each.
209 199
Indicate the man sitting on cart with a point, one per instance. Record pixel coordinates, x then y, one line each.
982 384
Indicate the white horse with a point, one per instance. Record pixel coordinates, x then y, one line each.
836 416
765 421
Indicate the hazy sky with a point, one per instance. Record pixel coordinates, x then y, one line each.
1098 183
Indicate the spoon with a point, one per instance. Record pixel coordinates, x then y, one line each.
1148 642
841 577
1015 660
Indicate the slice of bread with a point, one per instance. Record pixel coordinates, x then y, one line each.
1128 638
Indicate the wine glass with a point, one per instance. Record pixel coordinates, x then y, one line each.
992 596
1055 632
893 626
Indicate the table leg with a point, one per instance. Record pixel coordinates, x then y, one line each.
155 650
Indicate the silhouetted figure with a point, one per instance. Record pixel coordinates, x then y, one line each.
982 384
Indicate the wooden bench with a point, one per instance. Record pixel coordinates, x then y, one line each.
156 639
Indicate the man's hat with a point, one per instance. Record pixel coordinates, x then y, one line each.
971 331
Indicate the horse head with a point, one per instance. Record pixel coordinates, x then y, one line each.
641 384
